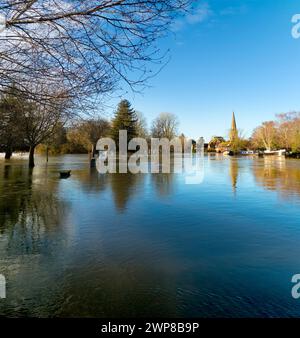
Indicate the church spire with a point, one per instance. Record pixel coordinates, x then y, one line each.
233 131
233 124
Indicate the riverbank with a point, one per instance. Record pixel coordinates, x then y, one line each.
15 155
294 155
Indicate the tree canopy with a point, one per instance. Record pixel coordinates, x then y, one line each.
165 126
125 119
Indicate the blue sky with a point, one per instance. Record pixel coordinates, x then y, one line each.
230 55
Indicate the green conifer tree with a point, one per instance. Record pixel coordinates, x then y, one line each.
125 119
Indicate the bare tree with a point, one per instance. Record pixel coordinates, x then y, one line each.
265 136
165 125
288 125
283 132
41 119
87 47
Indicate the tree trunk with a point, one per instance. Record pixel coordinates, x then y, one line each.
8 154
31 156
93 150
47 154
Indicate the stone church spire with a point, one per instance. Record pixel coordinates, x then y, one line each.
233 131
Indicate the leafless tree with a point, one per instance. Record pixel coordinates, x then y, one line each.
283 132
41 119
87 47
265 136
288 125
165 125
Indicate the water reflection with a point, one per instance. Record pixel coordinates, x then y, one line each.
278 174
164 184
271 173
149 245
91 181
29 209
124 187
234 173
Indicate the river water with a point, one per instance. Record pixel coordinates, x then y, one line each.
123 245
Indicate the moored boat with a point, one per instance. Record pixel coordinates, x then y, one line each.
248 153
281 152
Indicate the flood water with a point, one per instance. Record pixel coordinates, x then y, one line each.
150 245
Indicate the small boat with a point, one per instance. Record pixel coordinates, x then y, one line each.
248 153
281 152
65 173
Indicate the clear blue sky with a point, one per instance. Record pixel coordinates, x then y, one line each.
231 55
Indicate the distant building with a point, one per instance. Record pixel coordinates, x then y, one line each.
218 143
215 143
233 131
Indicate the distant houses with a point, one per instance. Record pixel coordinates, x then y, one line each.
216 144
219 145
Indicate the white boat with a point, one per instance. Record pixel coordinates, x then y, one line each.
281 152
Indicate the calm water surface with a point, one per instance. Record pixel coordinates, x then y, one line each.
150 245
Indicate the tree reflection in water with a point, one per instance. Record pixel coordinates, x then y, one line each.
91 181
29 208
278 174
123 187
163 183
234 173
98 245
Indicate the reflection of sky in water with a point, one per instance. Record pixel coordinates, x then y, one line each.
126 245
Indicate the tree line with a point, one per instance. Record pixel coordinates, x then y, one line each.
281 133
28 126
